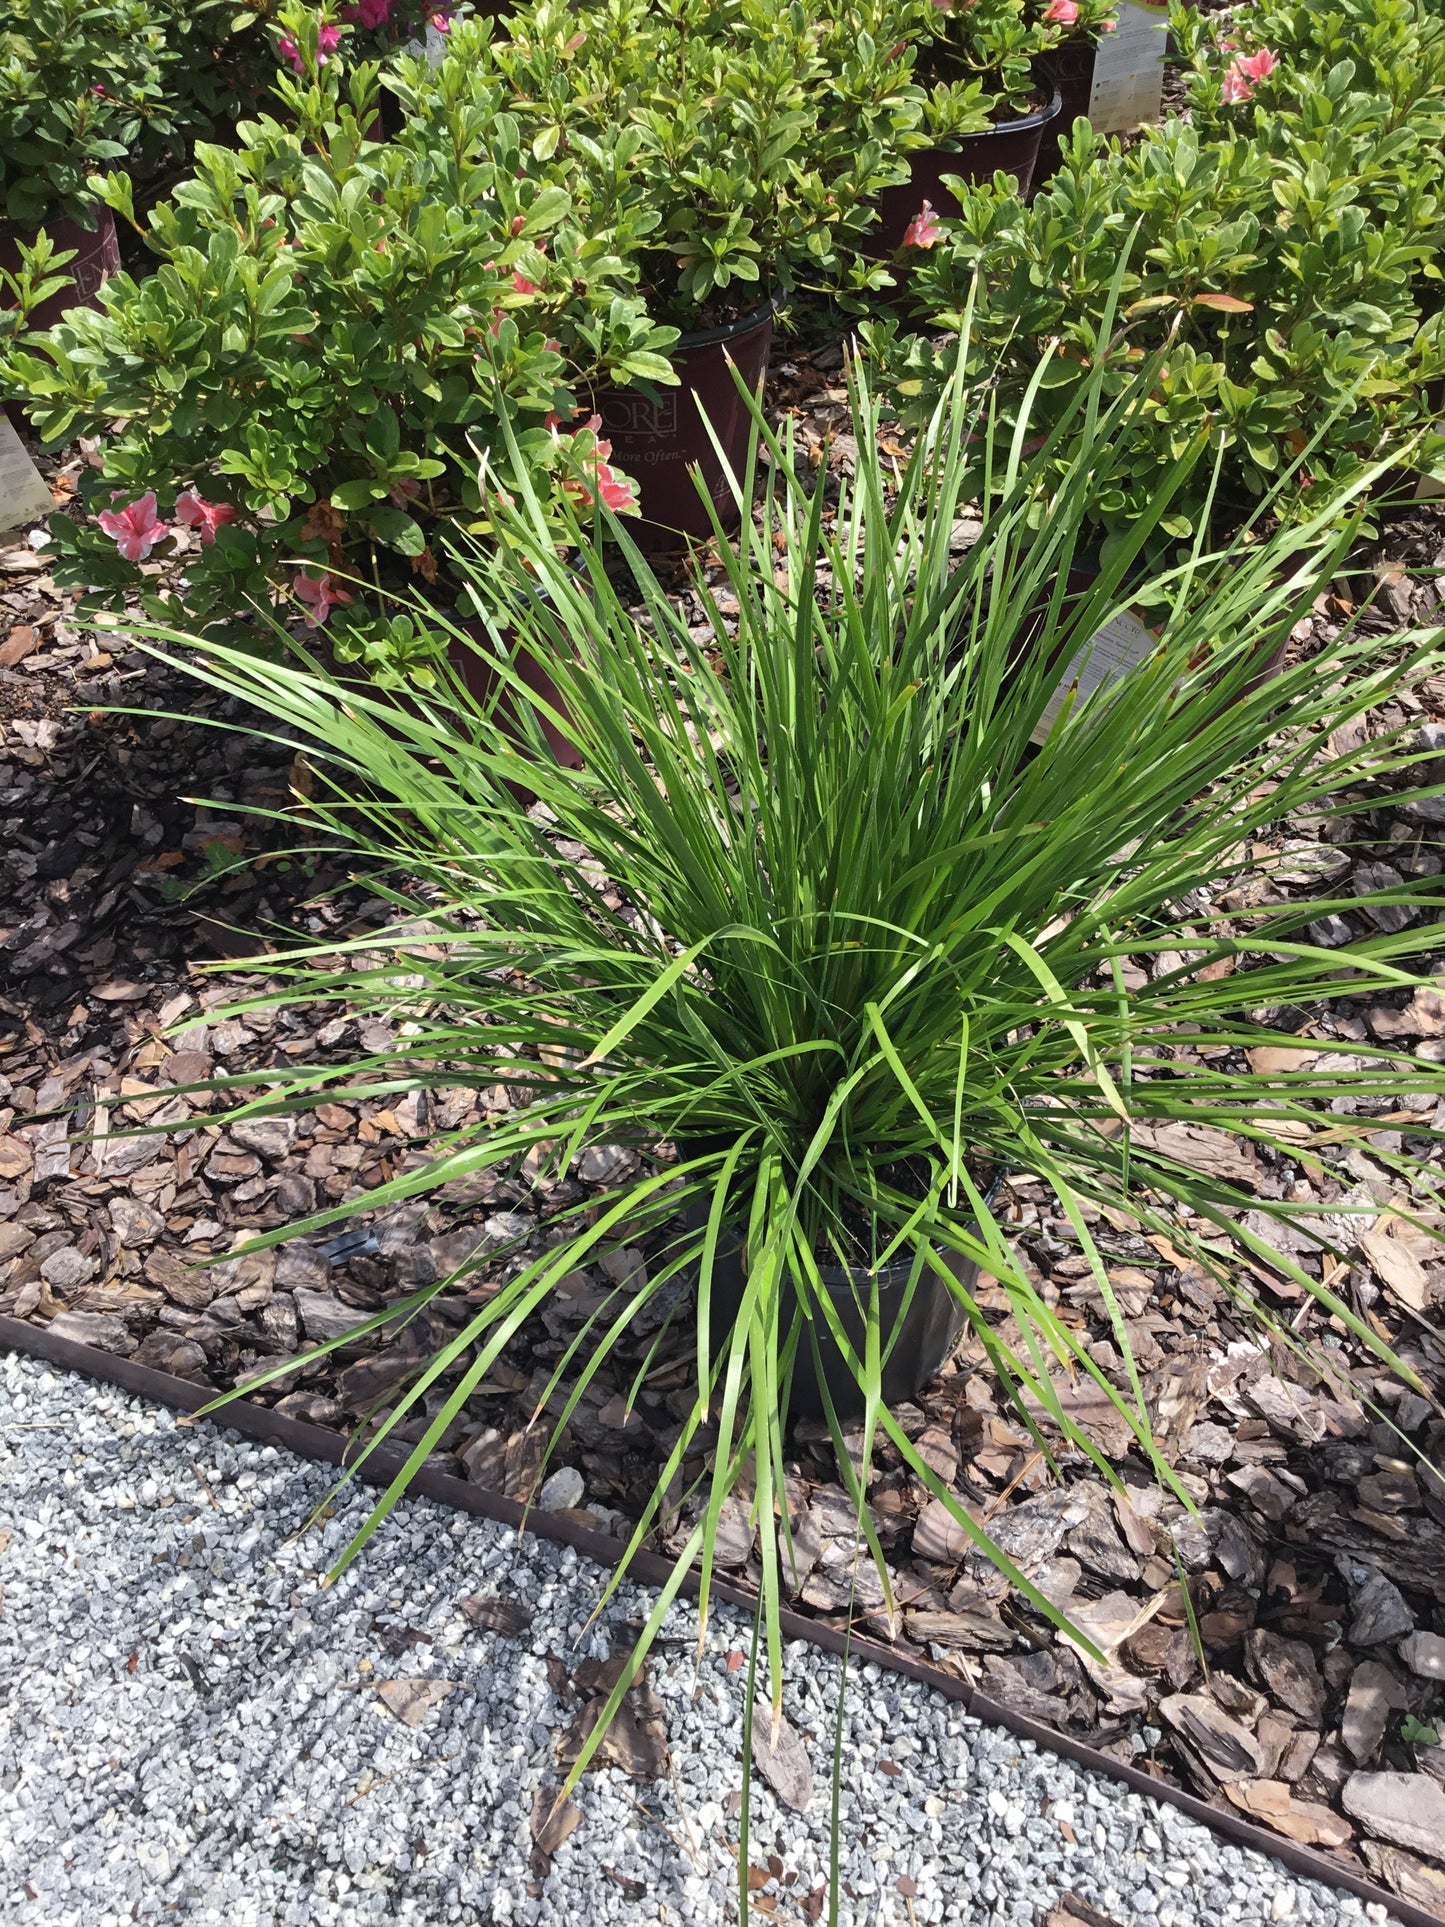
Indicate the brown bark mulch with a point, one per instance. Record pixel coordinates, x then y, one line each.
1315 1569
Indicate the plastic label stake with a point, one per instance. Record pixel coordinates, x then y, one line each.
1129 69
24 496
1121 645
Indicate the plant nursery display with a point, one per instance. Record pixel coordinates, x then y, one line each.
1284 285
314 381
833 922
986 98
891 1063
735 154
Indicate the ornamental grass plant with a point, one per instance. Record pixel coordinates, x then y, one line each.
859 875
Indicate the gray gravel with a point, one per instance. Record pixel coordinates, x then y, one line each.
190 1730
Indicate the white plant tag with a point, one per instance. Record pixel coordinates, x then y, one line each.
1129 69
1121 645
24 496
434 46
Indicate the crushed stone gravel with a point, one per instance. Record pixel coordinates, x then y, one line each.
191 1730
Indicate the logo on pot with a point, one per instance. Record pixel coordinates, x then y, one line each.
628 412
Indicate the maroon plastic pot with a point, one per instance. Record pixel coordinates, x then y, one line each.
481 682
1071 67
657 439
1012 147
97 254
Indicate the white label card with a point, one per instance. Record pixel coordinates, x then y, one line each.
1129 69
24 496
1121 645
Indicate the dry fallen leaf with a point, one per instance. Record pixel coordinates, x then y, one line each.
1265 1060
1303 1820
551 1825
410 1700
496 1615
1396 1268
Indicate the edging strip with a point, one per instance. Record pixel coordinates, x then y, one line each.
318 1443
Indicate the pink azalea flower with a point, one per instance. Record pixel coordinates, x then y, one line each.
327 41
1242 75
922 231
369 14
322 594
1061 13
441 19
600 479
604 482
204 516
522 284
136 528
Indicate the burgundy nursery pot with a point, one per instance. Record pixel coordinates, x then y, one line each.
97 254
1071 67
656 441
481 683
1012 147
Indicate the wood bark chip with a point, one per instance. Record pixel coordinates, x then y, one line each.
1273 1802
1229 1748
1074 1911
410 1700
1396 1268
783 1763
1407 1809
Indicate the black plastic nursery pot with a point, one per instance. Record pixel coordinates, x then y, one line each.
1010 147
922 1330
1071 67
658 438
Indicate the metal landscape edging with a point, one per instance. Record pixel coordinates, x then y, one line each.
319 1444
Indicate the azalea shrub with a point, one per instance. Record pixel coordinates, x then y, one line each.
1284 69
727 148
1285 287
83 83
347 346
982 61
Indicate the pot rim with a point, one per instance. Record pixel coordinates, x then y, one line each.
53 216
1040 117
892 1277
754 318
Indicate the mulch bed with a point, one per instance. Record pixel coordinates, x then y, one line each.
1316 1567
